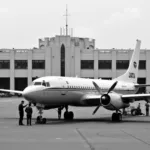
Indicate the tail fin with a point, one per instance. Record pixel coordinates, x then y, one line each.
131 74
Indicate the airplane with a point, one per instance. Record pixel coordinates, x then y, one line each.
51 92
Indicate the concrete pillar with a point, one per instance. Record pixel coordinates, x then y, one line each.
30 52
147 70
95 64
12 70
67 62
48 58
72 59
113 64
67 56
57 56
77 61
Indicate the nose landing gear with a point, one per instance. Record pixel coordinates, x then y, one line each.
40 119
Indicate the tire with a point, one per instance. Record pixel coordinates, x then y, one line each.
134 112
71 115
65 115
119 117
114 116
38 119
68 115
44 120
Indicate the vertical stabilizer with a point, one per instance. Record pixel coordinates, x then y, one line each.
131 74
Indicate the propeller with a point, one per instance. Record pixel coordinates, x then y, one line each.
100 92
97 88
112 87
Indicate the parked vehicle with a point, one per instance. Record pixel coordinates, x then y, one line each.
136 111
2 94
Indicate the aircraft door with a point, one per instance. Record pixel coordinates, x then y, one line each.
64 86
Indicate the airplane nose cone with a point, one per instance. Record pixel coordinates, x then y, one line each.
32 93
27 93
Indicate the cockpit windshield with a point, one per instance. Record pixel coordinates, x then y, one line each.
47 84
37 83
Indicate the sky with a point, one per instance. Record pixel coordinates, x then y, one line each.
112 23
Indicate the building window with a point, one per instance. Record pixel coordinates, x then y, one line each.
141 81
21 64
87 64
62 60
142 64
38 64
4 64
88 77
106 78
104 64
122 64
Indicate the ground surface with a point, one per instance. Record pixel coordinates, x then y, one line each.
85 132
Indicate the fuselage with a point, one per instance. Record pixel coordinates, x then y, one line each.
70 90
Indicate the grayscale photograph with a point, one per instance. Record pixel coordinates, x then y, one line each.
74 75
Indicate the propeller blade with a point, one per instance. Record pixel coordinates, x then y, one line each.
112 87
100 92
97 88
96 109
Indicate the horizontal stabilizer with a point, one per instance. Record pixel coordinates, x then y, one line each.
136 97
141 85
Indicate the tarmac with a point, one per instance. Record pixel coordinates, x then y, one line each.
84 132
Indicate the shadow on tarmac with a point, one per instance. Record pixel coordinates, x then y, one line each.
55 121
131 119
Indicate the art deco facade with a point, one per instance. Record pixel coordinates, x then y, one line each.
67 56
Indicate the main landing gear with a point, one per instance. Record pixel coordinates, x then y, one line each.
116 117
40 119
68 115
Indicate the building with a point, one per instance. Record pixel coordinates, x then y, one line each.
64 55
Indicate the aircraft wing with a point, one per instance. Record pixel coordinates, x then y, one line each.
11 91
136 97
91 99
94 100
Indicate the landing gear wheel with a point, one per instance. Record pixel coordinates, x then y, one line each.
114 117
71 115
44 120
65 115
117 117
40 120
68 115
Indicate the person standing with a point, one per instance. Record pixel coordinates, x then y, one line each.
59 113
44 83
29 111
147 108
139 112
21 112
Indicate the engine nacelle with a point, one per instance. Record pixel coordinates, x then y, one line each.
111 100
